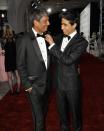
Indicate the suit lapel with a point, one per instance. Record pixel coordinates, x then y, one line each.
37 49
36 46
71 42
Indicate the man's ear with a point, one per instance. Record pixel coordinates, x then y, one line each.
36 22
75 25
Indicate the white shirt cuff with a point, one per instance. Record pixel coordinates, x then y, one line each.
51 46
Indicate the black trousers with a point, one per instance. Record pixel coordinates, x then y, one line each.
72 100
39 104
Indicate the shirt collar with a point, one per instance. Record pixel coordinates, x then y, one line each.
35 32
73 34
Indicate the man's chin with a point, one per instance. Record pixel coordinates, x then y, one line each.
64 33
44 31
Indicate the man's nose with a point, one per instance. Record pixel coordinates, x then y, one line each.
48 23
62 27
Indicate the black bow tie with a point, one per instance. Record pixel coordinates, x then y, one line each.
67 36
40 35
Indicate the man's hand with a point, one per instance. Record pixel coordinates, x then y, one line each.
49 39
29 90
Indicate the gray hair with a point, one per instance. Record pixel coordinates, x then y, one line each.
37 14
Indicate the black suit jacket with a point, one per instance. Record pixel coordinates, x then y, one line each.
30 63
67 62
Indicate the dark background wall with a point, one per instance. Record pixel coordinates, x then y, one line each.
95 15
55 22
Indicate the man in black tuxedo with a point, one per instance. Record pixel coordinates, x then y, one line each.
67 50
33 66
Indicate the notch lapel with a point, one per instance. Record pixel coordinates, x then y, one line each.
36 46
71 42
37 49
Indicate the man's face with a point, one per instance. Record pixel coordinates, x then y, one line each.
66 27
42 25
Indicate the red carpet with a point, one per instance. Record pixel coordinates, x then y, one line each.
15 112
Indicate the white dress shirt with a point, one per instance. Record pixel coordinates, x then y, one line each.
42 46
66 41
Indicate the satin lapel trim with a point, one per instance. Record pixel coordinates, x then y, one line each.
35 45
70 42
37 49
